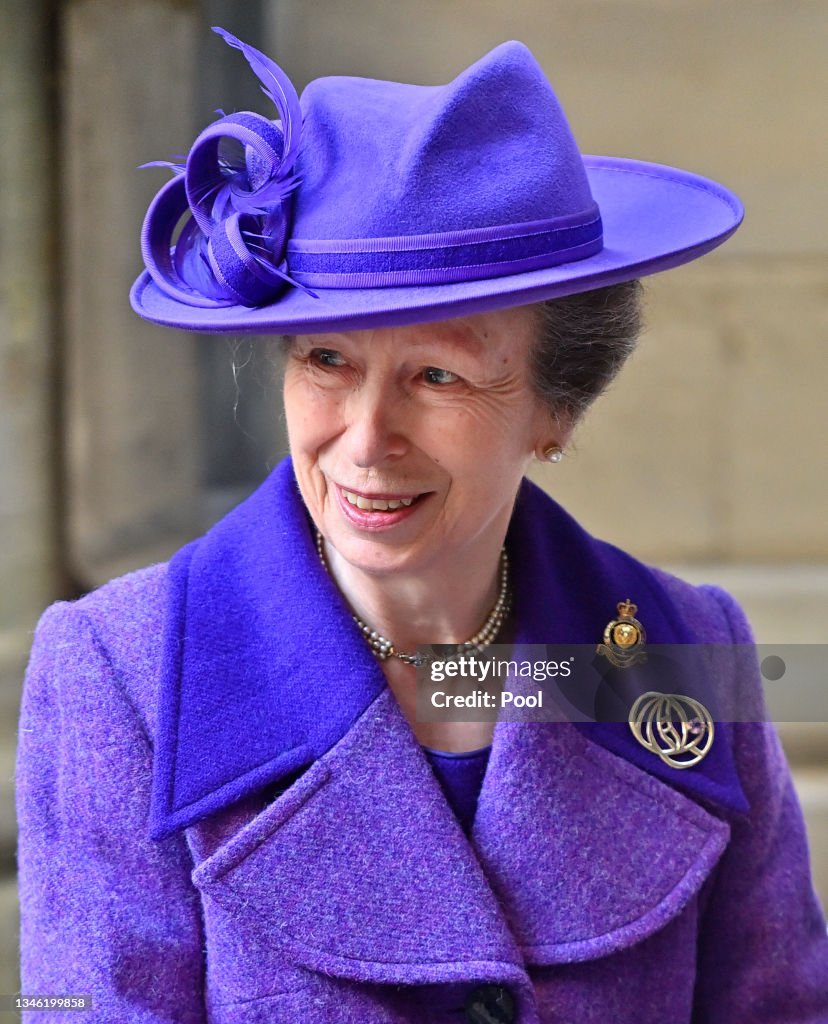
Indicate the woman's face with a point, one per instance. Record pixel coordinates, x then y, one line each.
409 443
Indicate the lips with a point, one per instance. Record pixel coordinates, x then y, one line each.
377 511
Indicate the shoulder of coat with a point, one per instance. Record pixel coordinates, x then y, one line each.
126 617
711 612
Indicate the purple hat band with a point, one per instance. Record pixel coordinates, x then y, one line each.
445 257
373 203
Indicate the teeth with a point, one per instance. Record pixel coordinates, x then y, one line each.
376 504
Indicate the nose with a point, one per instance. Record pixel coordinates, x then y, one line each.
375 429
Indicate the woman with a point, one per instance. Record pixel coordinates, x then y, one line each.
229 807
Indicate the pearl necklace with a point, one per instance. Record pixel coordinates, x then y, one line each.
384 648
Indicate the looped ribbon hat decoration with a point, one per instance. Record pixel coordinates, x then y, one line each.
231 250
371 203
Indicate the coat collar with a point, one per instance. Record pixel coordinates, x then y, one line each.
264 671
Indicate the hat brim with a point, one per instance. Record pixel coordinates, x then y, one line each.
654 217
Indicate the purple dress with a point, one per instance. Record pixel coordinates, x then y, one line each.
460 776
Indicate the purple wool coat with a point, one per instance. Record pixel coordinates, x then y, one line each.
224 815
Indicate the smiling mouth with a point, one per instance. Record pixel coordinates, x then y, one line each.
383 504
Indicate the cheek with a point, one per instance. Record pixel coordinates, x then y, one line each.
492 432
468 422
310 416
483 460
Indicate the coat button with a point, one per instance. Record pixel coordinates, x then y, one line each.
490 1004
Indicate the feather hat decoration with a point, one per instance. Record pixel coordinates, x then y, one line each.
237 203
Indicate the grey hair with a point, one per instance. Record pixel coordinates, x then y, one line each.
583 341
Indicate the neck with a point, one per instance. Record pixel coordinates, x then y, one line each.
437 605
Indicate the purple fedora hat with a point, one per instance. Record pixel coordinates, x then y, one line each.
374 203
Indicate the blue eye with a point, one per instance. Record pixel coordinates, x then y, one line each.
327 357
434 375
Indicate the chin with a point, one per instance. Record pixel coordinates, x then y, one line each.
377 557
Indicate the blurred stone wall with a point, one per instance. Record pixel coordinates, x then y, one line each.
129 428
29 574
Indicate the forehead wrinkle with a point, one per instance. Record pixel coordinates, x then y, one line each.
454 334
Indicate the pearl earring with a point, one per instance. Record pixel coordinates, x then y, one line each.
553 453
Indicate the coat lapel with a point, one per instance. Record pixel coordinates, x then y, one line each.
587 853
263 669
567 587
360 868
